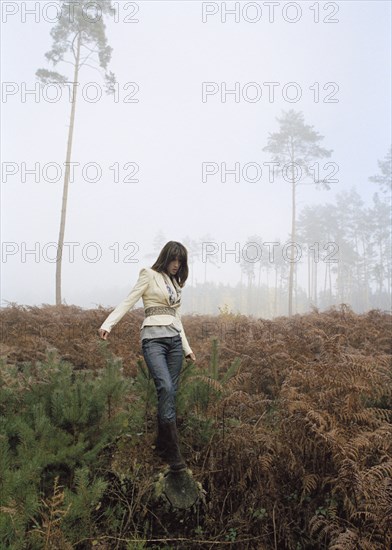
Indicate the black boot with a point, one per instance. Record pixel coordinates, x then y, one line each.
161 442
174 458
167 445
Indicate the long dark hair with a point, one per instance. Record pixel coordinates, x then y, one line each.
171 251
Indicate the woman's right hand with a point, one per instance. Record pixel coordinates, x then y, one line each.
103 334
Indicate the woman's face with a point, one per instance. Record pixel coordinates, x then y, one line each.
173 266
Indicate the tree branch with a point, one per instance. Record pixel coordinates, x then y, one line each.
73 41
91 66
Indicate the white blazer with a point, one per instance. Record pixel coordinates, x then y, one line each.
151 287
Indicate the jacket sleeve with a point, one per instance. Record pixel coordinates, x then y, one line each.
185 344
134 295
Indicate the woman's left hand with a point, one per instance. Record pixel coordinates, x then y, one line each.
191 357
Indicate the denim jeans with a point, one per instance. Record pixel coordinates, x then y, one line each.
163 357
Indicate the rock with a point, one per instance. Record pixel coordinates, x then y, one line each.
178 489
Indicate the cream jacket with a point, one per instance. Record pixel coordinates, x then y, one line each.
151 287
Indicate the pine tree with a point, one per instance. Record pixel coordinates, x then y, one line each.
82 35
295 148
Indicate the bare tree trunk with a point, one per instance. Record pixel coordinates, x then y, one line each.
249 296
358 276
309 281
276 292
259 305
59 256
325 283
350 287
280 307
340 283
295 288
366 276
291 276
269 308
381 280
342 298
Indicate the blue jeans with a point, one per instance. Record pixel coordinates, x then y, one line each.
163 357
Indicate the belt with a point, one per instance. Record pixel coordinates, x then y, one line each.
159 310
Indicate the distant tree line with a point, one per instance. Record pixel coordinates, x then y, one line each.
356 268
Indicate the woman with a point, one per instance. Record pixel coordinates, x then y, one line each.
162 337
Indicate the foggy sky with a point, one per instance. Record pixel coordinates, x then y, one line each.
170 132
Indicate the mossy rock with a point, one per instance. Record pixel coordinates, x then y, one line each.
178 489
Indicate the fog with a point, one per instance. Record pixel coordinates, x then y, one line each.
177 152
